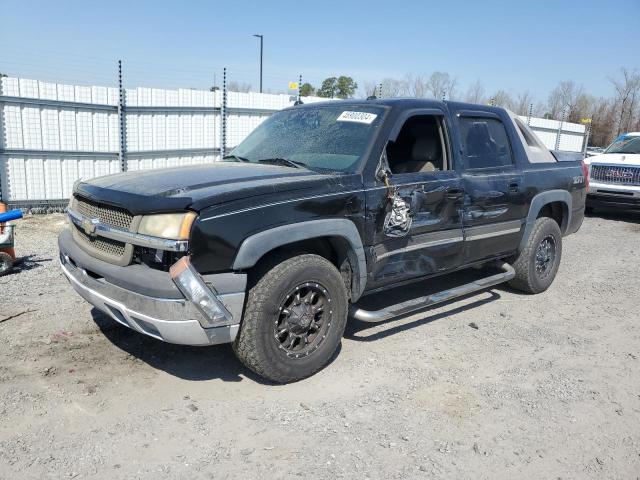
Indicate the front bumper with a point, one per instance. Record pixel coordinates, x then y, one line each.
604 195
170 318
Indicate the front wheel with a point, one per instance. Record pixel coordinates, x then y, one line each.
538 263
294 319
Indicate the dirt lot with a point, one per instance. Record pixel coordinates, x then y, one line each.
546 386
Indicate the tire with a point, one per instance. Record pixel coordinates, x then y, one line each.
283 299
535 270
6 263
588 210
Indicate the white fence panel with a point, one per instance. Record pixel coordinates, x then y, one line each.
571 135
54 134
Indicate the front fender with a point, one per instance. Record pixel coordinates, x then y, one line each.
256 246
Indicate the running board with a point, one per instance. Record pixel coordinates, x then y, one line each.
422 302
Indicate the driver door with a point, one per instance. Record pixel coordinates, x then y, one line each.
418 229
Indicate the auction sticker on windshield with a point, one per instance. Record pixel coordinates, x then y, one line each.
359 117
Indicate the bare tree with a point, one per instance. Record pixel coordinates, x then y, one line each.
602 116
475 93
235 86
441 84
370 88
523 102
392 87
563 98
415 85
627 93
502 99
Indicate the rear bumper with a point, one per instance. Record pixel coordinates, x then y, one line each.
170 317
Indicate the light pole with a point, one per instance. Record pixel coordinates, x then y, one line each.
261 37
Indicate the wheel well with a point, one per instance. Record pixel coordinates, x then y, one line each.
555 211
334 249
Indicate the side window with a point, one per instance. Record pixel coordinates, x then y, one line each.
485 143
421 146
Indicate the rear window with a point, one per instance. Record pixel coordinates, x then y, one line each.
485 143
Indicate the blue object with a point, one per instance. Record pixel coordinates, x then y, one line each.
10 215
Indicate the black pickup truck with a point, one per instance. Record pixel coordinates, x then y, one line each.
319 208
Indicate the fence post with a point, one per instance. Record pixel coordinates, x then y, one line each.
223 115
299 87
121 117
380 90
586 139
560 129
530 114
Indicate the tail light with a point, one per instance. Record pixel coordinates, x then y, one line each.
585 172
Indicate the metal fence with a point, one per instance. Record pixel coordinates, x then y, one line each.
54 134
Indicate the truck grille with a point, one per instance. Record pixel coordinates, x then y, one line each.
619 175
112 216
110 247
106 249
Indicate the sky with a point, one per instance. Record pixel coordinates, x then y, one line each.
510 45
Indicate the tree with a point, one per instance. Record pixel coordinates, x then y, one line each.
523 102
340 87
234 86
306 90
3 75
214 88
441 84
392 87
370 88
602 116
563 99
475 93
414 86
502 99
345 87
328 88
627 92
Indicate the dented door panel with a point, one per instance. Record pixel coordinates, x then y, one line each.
432 241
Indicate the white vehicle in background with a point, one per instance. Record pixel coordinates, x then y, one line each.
592 151
614 176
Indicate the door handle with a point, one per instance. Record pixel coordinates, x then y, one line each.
513 187
454 193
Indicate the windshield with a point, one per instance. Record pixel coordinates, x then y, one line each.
329 138
625 144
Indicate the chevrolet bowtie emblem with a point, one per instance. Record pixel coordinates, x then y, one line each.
89 226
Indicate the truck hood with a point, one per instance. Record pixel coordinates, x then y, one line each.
630 159
196 187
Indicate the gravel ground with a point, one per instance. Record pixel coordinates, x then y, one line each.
543 386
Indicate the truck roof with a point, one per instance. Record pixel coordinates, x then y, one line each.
402 103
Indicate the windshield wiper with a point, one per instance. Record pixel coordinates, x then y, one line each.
284 161
237 158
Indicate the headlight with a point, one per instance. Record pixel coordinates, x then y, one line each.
174 226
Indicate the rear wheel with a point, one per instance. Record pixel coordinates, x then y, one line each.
538 263
294 319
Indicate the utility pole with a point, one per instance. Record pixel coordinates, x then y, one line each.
261 37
